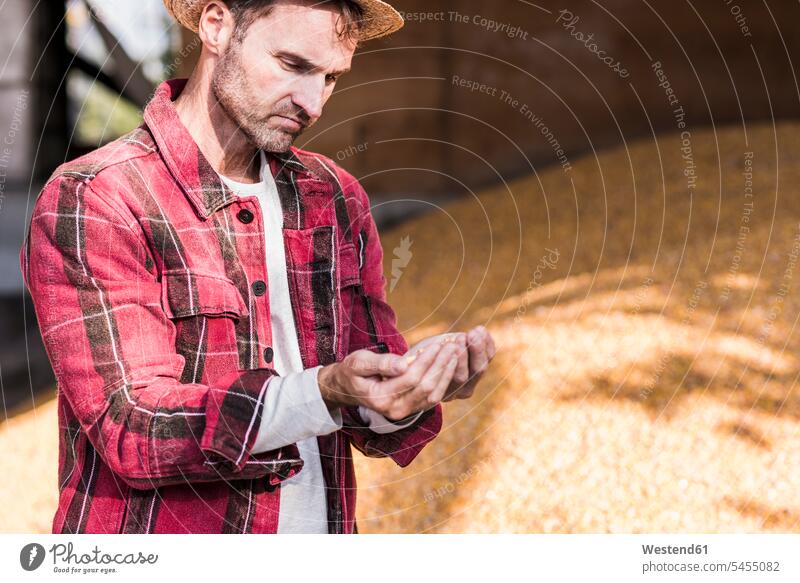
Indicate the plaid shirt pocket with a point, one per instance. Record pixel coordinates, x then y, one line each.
206 310
190 293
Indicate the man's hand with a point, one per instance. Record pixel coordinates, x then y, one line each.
472 364
391 385
481 350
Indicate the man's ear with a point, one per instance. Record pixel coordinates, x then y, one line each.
215 28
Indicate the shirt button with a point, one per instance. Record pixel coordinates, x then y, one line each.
245 216
259 288
269 354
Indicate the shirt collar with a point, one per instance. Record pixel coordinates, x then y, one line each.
190 168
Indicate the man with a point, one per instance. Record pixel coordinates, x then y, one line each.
212 298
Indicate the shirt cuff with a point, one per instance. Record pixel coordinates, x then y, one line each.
294 411
380 424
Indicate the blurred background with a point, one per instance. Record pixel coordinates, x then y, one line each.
610 187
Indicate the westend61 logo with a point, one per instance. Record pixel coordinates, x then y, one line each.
32 556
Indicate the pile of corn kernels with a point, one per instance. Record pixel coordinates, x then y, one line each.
644 306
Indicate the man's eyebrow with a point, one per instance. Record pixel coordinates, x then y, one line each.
305 63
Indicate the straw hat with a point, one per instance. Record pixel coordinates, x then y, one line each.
379 18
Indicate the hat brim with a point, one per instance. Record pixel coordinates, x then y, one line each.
379 18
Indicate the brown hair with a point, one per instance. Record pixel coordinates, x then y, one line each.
245 12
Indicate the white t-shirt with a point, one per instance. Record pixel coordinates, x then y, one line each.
294 411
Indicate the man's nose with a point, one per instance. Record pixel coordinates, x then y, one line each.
311 97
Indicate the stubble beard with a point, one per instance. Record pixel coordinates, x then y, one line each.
233 95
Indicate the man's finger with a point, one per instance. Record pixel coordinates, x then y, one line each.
439 371
492 349
478 359
445 380
425 342
415 371
368 363
445 338
462 369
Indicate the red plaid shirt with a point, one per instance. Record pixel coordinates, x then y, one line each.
148 276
